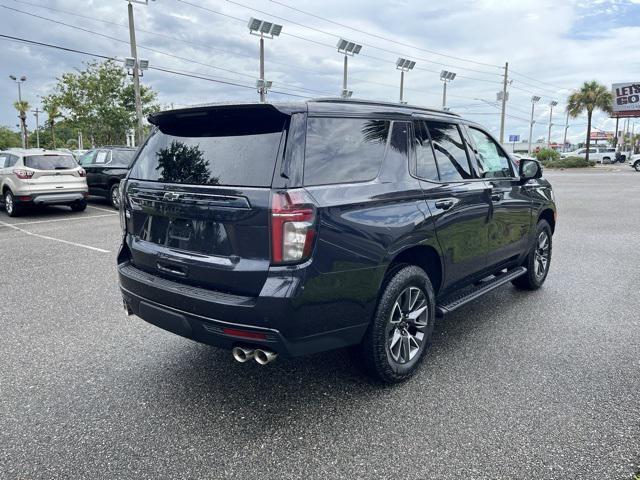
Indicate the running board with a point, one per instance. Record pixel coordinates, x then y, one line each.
450 303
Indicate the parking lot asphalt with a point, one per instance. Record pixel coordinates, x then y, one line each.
542 385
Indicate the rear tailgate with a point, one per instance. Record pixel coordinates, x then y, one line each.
197 198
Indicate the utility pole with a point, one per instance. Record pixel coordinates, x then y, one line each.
504 104
551 105
36 114
566 127
136 74
615 136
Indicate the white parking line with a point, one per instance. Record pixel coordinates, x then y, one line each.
95 249
102 209
60 219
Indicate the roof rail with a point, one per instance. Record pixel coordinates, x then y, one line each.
385 104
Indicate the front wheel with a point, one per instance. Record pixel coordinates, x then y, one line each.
538 261
114 196
401 329
637 166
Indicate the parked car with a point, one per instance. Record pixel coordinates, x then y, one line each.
41 177
106 167
634 161
293 229
597 154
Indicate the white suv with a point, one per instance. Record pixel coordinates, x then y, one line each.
597 154
41 177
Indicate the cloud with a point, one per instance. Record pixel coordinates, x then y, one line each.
562 44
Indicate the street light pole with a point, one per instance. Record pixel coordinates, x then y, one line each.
444 95
263 97
261 28
22 115
446 77
566 128
551 105
136 75
404 65
534 99
348 49
344 75
36 114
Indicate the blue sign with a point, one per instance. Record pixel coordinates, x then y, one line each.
514 138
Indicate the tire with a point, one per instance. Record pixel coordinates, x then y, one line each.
79 206
637 166
10 206
114 196
606 160
395 343
538 260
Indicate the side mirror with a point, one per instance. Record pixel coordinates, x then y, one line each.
529 169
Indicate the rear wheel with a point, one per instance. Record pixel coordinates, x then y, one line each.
114 196
401 330
10 206
79 206
637 166
538 261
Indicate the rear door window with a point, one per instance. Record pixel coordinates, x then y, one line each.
426 167
240 152
122 158
344 150
50 162
450 151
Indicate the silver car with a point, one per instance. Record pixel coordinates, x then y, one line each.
41 177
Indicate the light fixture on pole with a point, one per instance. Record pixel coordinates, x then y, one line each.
403 65
446 77
551 105
23 115
136 68
348 49
534 99
263 30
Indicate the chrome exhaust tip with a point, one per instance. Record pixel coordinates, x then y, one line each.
242 354
264 356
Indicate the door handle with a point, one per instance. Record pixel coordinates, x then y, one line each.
444 204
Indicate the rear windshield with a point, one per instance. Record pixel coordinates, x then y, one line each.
212 149
50 162
122 157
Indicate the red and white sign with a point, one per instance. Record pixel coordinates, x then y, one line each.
626 99
601 135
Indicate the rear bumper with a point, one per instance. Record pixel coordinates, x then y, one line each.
57 198
205 316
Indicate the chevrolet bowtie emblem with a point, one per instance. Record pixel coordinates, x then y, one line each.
171 196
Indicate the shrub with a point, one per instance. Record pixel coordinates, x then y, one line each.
547 154
569 162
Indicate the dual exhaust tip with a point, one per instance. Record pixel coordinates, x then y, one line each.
244 354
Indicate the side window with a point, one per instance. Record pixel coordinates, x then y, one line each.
342 150
425 159
581 151
102 157
492 160
592 150
451 155
13 159
4 161
87 158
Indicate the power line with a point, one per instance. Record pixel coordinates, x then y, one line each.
386 38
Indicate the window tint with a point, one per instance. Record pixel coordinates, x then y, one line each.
241 153
492 160
341 150
122 157
50 162
450 151
425 159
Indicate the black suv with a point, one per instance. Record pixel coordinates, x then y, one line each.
290 229
106 167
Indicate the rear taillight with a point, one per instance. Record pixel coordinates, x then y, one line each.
82 172
124 213
293 217
23 174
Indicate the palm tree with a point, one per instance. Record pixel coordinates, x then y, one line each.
591 96
23 107
52 109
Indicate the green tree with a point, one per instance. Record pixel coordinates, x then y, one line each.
9 138
22 107
98 101
52 109
591 96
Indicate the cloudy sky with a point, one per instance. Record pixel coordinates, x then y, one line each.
551 47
